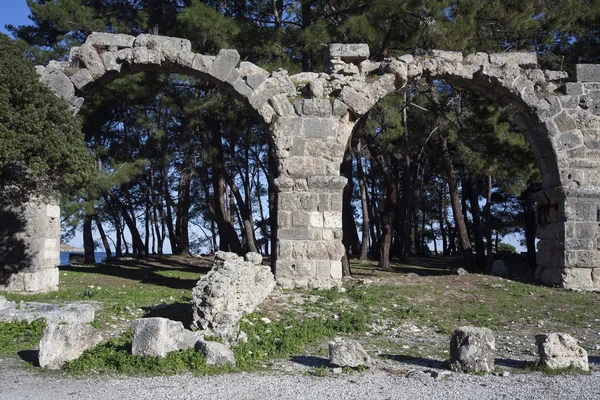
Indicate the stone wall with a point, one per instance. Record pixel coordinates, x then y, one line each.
30 247
311 117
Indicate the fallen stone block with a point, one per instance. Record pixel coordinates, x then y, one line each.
232 289
216 353
158 336
560 350
53 313
65 342
348 353
472 349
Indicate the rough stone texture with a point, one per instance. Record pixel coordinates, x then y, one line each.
472 349
216 353
65 342
156 337
348 353
560 350
232 289
349 52
53 313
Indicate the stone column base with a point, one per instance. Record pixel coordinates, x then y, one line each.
41 281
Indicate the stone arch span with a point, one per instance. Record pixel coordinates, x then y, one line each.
311 117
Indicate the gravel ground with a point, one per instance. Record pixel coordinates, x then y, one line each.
20 383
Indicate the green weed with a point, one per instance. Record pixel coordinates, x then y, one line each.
20 335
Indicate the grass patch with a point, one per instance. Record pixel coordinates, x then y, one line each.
20 335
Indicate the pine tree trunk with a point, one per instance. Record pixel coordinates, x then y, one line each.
138 244
391 197
346 272
88 241
463 237
477 229
350 235
364 248
488 225
530 226
103 236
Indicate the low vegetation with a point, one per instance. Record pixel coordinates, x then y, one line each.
398 315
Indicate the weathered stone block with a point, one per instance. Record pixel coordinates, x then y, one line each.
110 39
522 59
156 337
348 52
320 128
59 83
225 62
348 353
61 343
216 353
92 60
587 73
472 349
560 350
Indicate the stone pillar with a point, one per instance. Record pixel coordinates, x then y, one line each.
30 247
310 148
569 216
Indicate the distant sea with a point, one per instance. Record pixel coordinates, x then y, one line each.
64 257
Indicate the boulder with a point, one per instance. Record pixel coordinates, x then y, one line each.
472 349
347 353
232 289
560 350
216 353
158 336
499 268
65 342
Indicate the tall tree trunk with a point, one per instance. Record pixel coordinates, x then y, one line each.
391 196
463 237
346 272
364 198
273 207
88 241
442 221
530 225
246 216
138 244
477 228
488 225
103 236
307 63
350 235
407 193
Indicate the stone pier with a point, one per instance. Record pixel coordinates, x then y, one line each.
30 247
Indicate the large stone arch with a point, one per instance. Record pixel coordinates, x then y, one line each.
311 117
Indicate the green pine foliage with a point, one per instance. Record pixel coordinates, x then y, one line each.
41 144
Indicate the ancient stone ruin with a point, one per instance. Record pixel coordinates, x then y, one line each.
311 117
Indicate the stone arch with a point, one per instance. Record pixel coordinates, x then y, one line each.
311 117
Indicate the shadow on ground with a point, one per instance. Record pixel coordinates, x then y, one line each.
310 361
419 361
175 312
146 270
30 357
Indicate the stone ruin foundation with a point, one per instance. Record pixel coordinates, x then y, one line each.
311 117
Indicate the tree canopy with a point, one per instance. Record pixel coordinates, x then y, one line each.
41 144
